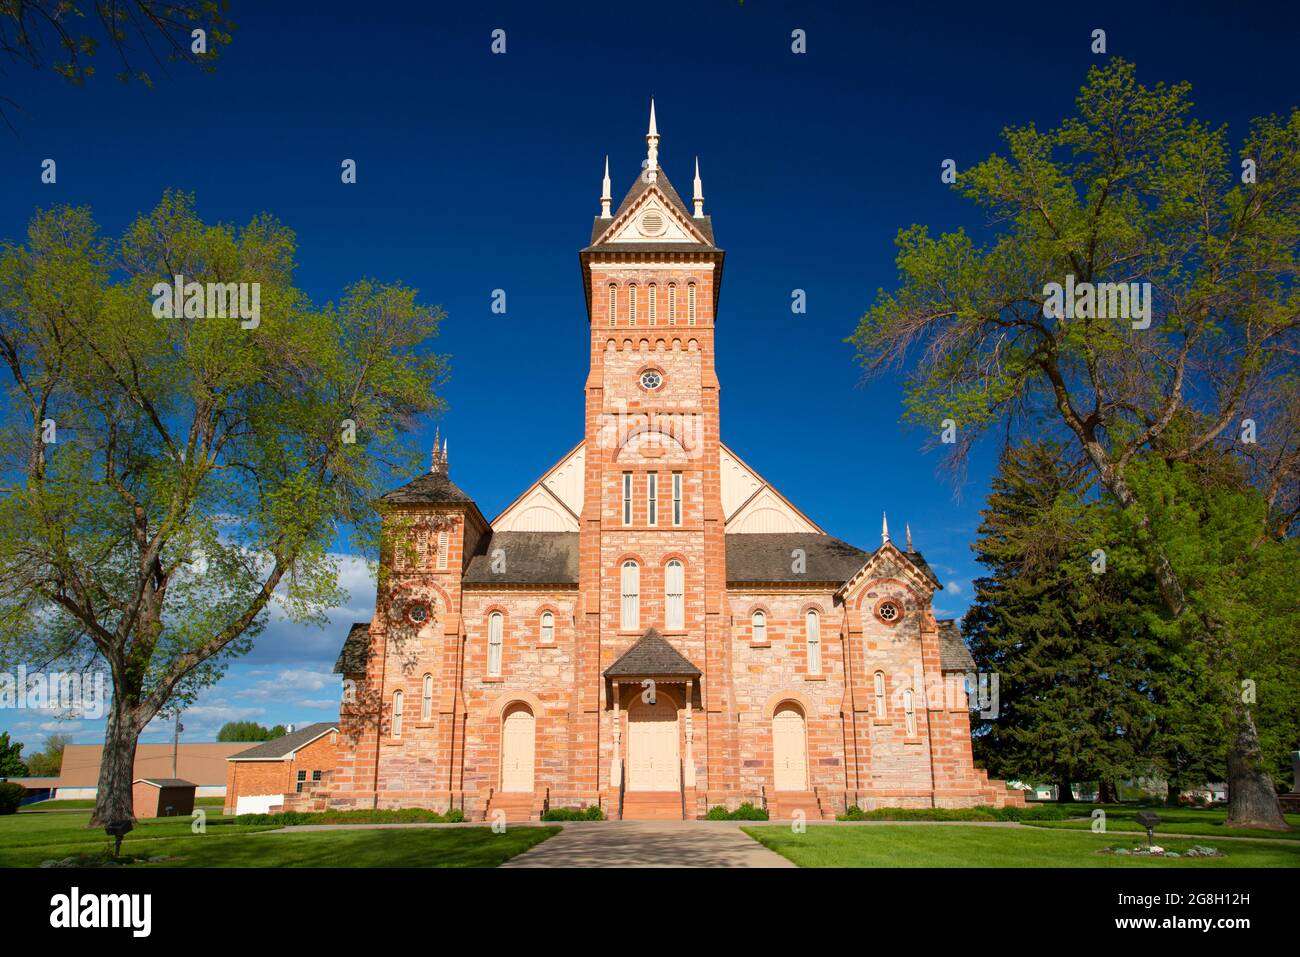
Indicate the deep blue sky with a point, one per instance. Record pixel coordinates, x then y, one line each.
480 171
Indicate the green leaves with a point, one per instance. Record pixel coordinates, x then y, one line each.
204 466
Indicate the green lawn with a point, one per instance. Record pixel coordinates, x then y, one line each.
943 845
1121 818
30 837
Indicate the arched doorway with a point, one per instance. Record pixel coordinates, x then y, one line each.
652 758
517 744
789 749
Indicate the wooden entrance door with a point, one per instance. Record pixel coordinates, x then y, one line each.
652 763
517 738
789 749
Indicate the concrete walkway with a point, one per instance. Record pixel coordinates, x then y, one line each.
650 844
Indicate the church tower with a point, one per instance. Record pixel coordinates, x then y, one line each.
652 525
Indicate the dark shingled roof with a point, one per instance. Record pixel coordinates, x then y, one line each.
704 224
530 558
429 487
286 745
768 557
652 655
355 650
166 782
953 653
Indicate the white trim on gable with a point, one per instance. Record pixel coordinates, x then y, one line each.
552 503
677 228
750 504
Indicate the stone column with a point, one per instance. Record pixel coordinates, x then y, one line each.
616 762
690 739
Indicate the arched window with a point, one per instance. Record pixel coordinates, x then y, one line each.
495 622
613 304
813 636
630 616
631 305
652 304
397 714
759 633
548 627
690 304
675 596
880 695
672 304
426 700
909 712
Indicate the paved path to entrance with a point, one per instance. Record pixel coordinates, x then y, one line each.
650 844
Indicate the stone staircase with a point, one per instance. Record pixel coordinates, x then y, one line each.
782 805
520 807
652 805
996 793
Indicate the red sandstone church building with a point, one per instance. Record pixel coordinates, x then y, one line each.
650 626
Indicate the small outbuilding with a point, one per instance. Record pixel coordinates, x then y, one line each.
162 797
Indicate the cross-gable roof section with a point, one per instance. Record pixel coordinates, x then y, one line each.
552 503
889 561
653 214
751 505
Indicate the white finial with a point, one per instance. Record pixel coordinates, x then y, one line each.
884 529
699 191
908 529
437 461
446 463
605 198
652 147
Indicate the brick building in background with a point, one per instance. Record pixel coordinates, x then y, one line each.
650 626
283 773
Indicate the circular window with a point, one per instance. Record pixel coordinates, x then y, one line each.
651 379
889 612
652 223
418 613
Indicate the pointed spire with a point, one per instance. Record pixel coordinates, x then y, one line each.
652 147
699 191
908 528
605 198
438 460
884 529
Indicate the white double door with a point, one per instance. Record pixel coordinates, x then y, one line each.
652 757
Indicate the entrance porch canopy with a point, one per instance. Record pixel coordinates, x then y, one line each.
654 658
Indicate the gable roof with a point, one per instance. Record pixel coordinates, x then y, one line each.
355 651
953 653
768 557
529 558
283 747
703 225
431 487
166 782
652 655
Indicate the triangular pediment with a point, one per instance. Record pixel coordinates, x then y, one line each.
889 561
652 213
552 503
751 504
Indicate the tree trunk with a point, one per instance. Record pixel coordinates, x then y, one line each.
1107 792
1252 800
1173 790
1063 793
116 769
